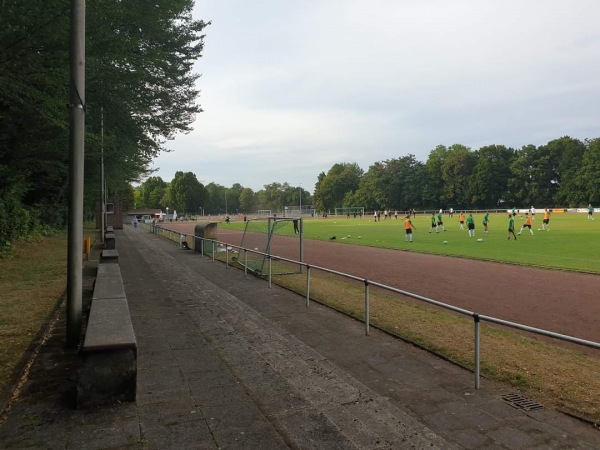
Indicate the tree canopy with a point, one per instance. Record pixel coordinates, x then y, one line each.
139 83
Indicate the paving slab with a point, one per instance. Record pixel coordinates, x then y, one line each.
226 362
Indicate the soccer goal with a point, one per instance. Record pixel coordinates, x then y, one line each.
272 236
263 213
352 211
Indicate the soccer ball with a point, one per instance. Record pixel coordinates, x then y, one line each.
445 242
480 240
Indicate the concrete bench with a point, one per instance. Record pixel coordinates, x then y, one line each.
109 282
108 370
109 256
110 241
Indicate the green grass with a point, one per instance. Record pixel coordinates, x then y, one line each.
572 243
31 281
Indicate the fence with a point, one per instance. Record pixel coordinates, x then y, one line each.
477 318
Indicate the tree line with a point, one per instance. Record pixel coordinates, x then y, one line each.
140 92
564 172
187 195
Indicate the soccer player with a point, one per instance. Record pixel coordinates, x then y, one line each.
546 221
527 224
471 225
461 219
590 212
511 227
433 223
486 219
440 221
408 226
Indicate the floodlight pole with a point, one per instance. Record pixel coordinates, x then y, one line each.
102 197
300 199
76 166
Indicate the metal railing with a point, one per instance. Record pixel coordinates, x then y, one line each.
477 318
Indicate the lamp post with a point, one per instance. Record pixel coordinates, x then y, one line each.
300 199
167 214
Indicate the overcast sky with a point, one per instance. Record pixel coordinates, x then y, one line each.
290 88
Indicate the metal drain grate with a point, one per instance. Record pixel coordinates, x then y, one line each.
520 402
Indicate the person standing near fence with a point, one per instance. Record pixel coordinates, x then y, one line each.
461 220
590 212
408 227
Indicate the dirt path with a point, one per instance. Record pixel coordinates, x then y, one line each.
563 302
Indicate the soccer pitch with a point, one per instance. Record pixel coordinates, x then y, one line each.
573 242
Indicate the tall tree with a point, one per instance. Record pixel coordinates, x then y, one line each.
152 192
457 168
247 201
341 179
489 181
139 59
587 180
565 157
186 193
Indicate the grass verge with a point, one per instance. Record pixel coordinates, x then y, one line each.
32 280
552 374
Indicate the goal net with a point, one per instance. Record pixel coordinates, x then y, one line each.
272 236
352 211
263 213
299 211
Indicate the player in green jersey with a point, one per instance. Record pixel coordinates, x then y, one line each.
486 219
511 227
471 225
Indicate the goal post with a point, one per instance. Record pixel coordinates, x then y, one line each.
263 213
352 211
272 237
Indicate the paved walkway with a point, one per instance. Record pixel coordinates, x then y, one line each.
226 362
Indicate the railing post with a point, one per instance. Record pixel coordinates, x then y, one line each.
245 262
226 256
270 273
307 285
213 250
477 355
367 307
202 247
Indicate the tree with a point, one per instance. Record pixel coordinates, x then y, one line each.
433 186
331 189
565 159
139 60
186 193
247 200
530 180
456 171
489 181
587 180
152 192
217 195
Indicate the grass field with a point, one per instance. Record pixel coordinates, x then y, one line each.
573 242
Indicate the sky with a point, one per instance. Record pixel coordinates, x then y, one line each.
289 88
